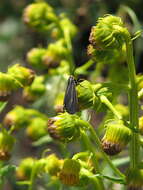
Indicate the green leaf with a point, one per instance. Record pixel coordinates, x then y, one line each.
23 183
43 140
5 171
2 105
116 180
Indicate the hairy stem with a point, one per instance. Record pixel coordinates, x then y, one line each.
133 101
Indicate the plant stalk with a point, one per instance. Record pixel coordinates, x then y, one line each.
110 106
133 102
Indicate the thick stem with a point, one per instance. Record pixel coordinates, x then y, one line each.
133 101
94 159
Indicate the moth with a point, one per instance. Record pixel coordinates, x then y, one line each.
70 99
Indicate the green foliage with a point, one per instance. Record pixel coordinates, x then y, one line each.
50 128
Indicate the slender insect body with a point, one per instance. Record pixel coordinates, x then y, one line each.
70 99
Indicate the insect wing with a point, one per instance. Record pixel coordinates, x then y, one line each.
70 100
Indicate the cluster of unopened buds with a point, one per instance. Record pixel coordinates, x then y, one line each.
16 77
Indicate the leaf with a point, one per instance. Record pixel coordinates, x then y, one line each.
121 161
2 105
137 34
43 140
5 171
116 180
23 182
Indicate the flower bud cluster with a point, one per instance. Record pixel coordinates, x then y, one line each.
41 17
50 164
35 90
17 117
74 171
37 128
49 57
106 39
34 121
16 77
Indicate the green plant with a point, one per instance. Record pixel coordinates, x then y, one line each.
110 43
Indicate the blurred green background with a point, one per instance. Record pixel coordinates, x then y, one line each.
16 39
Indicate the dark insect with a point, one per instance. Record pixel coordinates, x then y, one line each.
70 99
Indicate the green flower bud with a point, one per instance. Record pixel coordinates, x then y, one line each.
58 104
17 117
7 85
24 169
107 56
108 33
35 57
53 165
39 16
37 89
55 53
86 95
22 75
69 174
141 125
6 145
65 127
67 25
116 137
37 128
135 179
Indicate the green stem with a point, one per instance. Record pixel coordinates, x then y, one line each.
33 175
67 38
69 46
95 162
133 101
83 69
110 106
98 143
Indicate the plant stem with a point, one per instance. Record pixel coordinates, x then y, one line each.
110 106
32 177
97 141
69 47
133 101
95 162
83 69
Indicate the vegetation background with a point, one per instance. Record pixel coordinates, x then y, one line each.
16 39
